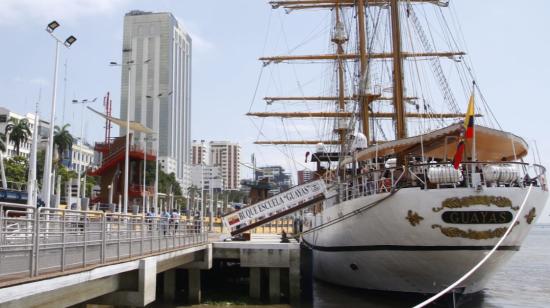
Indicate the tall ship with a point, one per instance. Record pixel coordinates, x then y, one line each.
423 181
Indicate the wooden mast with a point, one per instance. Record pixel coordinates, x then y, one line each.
400 127
339 40
363 101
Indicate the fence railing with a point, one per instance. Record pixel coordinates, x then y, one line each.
40 241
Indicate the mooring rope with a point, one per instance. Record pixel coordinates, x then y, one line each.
469 273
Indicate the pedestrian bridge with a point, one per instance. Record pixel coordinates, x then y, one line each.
58 257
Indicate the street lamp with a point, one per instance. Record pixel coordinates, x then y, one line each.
129 64
156 117
145 167
202 189
49 153
82 103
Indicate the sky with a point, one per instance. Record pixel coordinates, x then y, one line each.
507 43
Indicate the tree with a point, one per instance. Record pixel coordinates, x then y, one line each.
63 139
165 180
40 159
2 142
19 132
16 169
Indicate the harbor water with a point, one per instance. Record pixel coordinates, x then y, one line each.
523 282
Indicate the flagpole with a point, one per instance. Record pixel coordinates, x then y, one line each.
474 154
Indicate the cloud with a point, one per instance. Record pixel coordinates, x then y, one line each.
20 11
39 81
199 41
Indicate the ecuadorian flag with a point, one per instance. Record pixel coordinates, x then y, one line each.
459 153
469 121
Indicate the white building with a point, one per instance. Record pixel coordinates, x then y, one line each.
211 175
82 157
167 164
160 74
226 155
24 148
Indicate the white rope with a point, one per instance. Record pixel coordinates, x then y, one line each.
468 274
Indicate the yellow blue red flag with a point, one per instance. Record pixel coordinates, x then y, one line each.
469 121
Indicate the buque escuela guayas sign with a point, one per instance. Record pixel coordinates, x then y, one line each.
280 202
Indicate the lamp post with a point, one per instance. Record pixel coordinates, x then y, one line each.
128 64
202 196
145 168
46 193
82 103
211 202
156 117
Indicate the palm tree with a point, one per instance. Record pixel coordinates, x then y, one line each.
2 142
62 139
19 132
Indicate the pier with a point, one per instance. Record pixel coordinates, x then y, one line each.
62 258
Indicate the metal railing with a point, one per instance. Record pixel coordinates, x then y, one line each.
471 174
34 241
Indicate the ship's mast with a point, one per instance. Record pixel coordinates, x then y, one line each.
364 103
339 39
365 99
400 125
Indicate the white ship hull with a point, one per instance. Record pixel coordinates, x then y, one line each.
382 249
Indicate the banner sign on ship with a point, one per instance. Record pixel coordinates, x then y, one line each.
277 203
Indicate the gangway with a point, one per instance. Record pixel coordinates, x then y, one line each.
277 206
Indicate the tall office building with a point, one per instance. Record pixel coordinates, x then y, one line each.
159 78
227 155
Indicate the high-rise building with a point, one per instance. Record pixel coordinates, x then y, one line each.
227 155
157 69
198 155
305 176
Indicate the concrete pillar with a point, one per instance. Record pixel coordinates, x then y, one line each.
194 286
274 285
254 283
147 280
169 292
294 277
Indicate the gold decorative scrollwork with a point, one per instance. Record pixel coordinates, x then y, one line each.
531 215
455 203
414 218
472 234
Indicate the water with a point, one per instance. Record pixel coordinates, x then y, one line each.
523 282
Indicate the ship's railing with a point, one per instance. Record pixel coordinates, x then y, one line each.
41 241
443 175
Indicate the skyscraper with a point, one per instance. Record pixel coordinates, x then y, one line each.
159 52
227 155
198 155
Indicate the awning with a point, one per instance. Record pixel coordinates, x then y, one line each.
491 145
135 126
